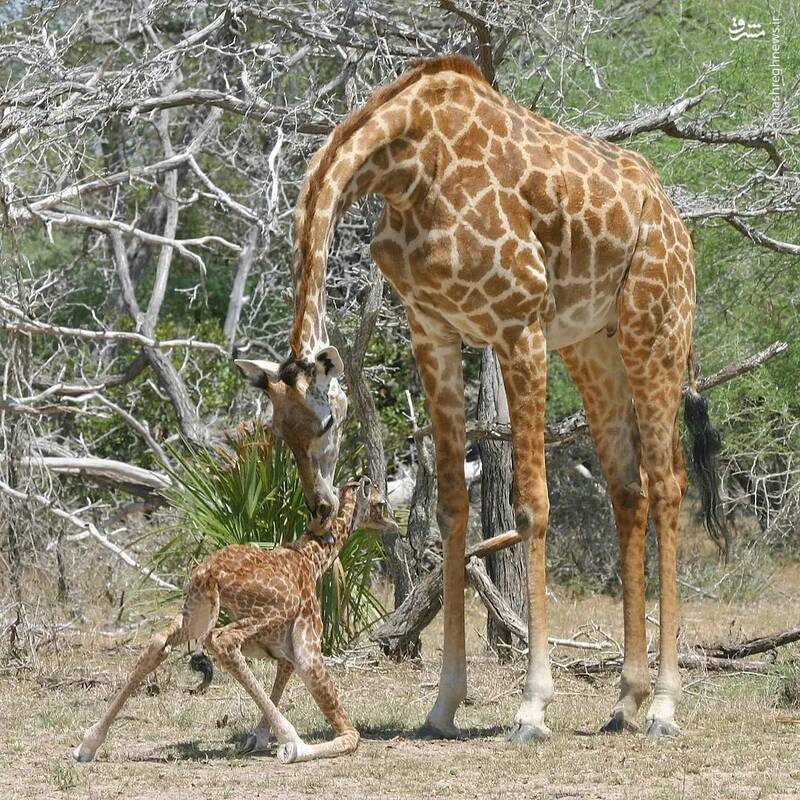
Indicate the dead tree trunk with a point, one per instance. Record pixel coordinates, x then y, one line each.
237 298
507 567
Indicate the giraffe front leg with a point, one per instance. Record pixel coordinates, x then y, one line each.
524 368
260 739
310 667
226 645
439 365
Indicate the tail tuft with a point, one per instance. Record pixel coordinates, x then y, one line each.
706 445
200 662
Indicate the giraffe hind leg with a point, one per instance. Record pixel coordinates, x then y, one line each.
598 371
199 615
156 650
655 332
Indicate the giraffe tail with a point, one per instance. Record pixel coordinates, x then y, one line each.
200 662
202 597
706 444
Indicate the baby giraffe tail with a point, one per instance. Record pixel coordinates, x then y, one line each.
200 662
196 621
706 445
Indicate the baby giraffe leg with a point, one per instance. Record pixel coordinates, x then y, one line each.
157 649
311 668
260 740
226 645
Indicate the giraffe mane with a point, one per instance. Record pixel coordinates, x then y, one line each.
341 133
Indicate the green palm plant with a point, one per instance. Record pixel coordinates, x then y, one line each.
249 493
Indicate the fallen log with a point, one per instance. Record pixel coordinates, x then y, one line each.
398 635
106 471
717 658
502 612
751 647
613 663
495 603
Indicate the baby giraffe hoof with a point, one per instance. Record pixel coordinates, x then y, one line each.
255 742
522 733
287 752
656 728
618 724
83 755
292 752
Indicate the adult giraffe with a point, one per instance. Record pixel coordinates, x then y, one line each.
502 229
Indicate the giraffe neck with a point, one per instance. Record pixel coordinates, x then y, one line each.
324 200
349 166
323 552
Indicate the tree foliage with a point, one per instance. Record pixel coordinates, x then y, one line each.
151 154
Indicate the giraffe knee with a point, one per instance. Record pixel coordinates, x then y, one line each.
158 645
218 645
452 513
665 502
532 521
631 494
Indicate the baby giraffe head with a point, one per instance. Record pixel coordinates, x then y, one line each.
372 509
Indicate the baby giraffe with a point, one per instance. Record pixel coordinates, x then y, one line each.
270 597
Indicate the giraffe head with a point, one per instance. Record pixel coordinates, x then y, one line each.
308 411
372 509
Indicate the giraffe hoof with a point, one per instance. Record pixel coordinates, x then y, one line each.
523 733
657 728
255 742
618 724
439 731
83 755
288 752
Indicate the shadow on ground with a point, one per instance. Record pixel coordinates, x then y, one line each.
194 750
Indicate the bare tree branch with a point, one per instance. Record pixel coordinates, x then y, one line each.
89 528
761 238
43 328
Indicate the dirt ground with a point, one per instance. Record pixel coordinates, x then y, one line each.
737 741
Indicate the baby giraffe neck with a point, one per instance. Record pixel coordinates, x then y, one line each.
322 551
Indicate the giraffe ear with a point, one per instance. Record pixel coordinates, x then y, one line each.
364 487
259 373
329 363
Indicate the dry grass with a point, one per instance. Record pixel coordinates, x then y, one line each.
735 742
